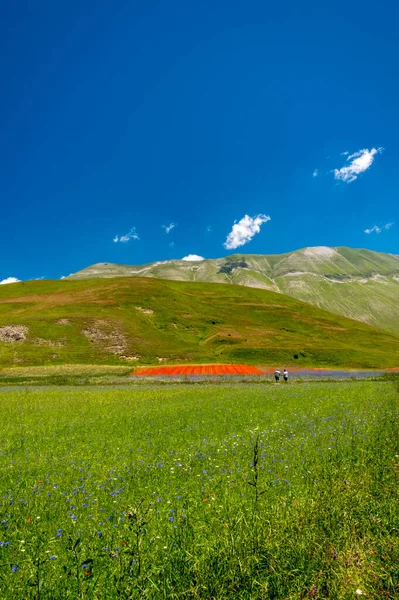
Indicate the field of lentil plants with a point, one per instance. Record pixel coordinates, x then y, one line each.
213 492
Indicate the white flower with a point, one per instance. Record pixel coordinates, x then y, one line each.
359 592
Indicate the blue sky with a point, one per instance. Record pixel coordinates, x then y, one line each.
121 118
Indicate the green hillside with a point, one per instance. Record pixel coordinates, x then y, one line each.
359 284
138 320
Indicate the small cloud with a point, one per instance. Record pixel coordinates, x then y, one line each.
378 228
344 153
315 172
132 235
208 229
193 258
360 162
373 229
168 228
9 280
243 231
171 245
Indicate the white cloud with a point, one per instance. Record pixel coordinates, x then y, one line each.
360 162
209 229
344 153
9 280
378 228
132 235
315 172
171 245
193 258
169 227
243 231
373 229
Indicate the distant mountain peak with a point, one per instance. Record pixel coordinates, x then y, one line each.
320 251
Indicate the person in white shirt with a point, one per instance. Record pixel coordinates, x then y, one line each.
277 375
285 375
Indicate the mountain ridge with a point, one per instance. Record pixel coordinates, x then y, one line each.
360 284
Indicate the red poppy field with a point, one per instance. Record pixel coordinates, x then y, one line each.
197 370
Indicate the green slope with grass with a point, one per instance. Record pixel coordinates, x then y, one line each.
141 320
359 284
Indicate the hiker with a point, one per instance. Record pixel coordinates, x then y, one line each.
285 375
277 375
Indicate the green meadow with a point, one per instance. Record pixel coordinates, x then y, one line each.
137 321
228 491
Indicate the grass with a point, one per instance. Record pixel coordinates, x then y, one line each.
282 492
135 321
65 375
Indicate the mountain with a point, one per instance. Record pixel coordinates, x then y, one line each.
359 284
135 320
